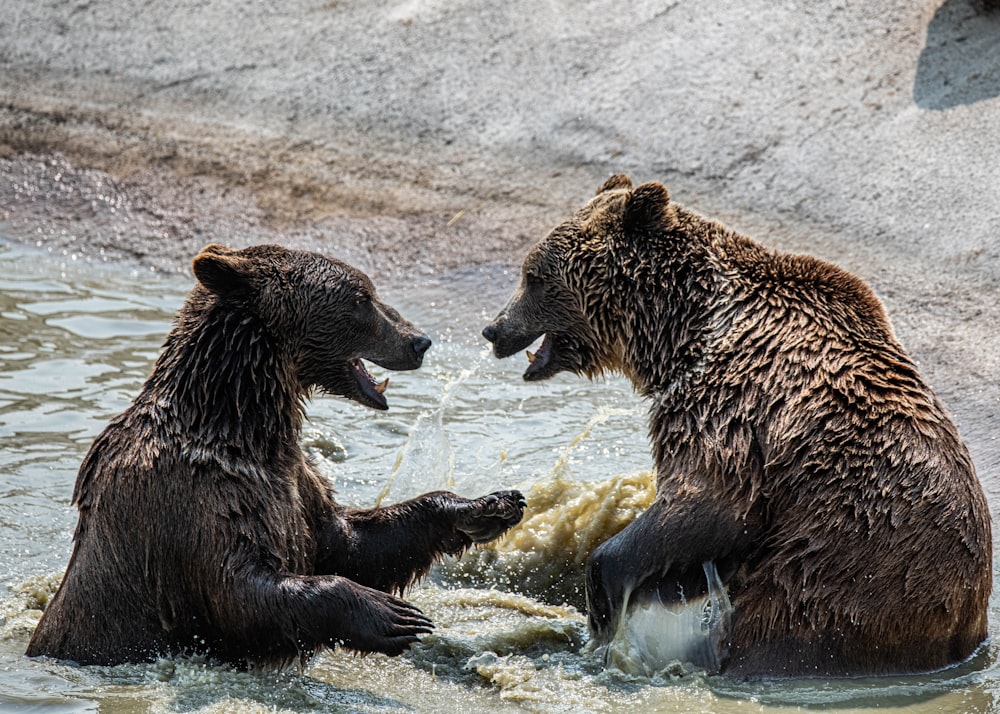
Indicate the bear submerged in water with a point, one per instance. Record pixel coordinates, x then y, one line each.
202 526
797 449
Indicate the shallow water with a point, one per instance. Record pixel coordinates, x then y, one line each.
76 342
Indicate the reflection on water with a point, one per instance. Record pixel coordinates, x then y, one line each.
77 342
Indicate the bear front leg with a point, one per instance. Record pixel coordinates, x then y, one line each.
389 548
670 539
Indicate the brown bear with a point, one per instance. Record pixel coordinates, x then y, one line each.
796 446
203 528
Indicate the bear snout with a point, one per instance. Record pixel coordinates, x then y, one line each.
398 347
421 343
507 341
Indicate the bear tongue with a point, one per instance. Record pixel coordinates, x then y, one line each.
372 391
539 360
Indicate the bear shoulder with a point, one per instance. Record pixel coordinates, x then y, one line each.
805 283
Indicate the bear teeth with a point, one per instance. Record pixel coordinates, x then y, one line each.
531 355
382 385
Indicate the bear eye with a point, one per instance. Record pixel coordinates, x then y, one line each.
533 280
362 307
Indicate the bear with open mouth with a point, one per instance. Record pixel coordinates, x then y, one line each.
203 528
798 451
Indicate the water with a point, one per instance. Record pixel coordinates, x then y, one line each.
657 634
77 342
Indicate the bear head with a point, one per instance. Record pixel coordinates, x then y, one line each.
324 315
570 291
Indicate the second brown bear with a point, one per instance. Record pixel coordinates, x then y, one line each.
796 445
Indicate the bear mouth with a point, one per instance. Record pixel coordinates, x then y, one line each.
541 363
371 393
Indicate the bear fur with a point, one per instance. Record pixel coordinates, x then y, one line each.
796 445
202 526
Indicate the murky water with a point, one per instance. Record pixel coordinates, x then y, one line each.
77 341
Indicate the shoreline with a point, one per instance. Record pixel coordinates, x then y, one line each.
160 191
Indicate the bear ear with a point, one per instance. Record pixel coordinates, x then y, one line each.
216 249
615 182
646 208
222 270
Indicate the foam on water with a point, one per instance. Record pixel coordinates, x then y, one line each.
545 555
23 606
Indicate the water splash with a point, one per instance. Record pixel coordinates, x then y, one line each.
545 555
562 465
657 637
427 459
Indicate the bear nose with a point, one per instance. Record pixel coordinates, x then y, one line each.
490 333
420 344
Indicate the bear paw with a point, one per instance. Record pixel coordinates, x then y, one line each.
380 622
486 518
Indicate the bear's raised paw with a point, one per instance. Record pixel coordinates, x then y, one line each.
488 517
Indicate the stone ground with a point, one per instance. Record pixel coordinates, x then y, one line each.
435 139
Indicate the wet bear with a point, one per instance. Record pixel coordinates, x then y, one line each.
202 526
796 446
